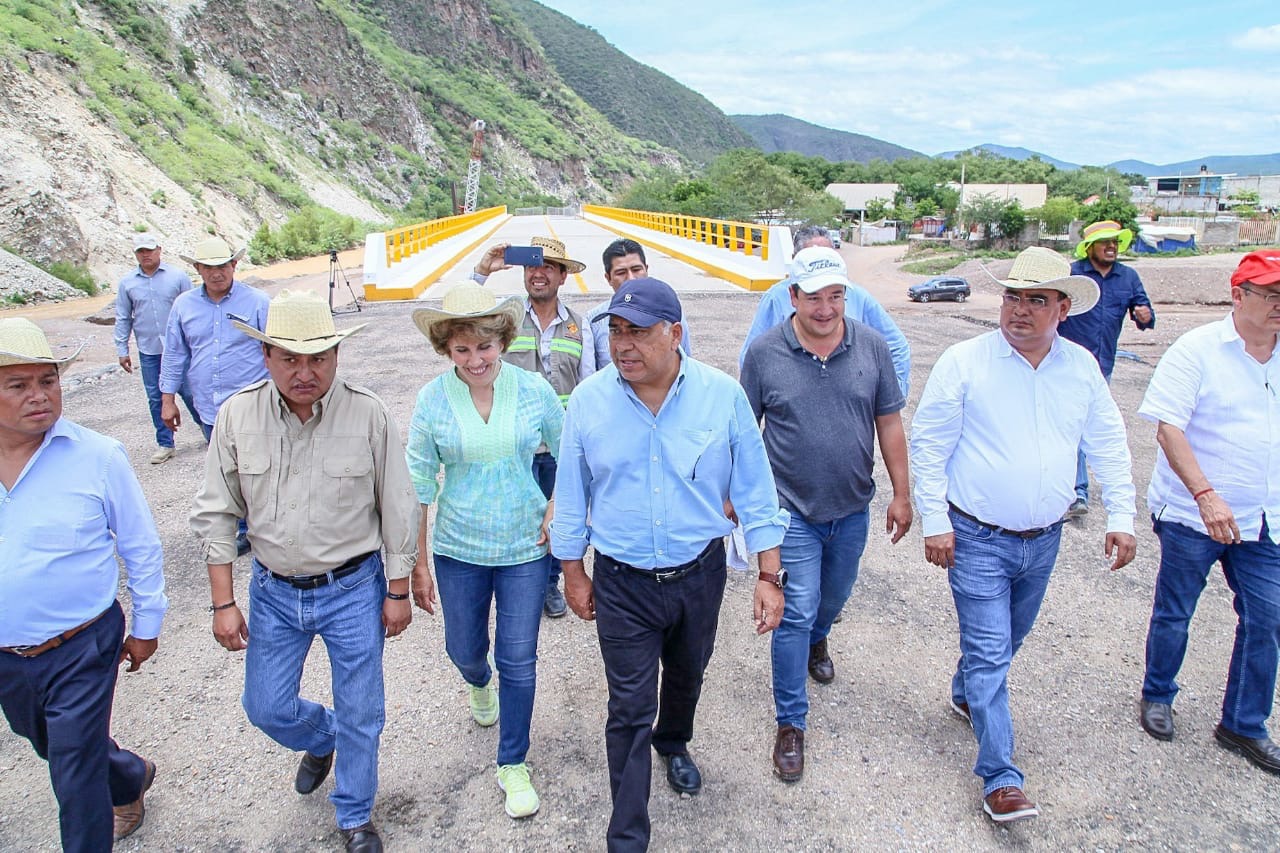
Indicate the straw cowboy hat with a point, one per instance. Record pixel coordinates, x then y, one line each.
553 250
23 342
300 323
1107 229
467 301
1039 268
213 252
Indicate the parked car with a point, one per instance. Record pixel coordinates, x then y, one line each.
939 288
834 234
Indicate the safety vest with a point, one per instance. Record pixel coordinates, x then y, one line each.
566 352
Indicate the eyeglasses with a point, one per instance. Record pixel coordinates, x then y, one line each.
1272 299
1035 302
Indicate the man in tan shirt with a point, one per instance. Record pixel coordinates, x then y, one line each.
316 466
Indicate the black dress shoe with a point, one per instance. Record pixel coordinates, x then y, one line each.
1261 751
682 773
363 839
312 770
1157 719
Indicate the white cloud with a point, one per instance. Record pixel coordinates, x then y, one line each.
1259 38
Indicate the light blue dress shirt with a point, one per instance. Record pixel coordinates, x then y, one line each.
74 507
598 317
215 357
650 490
143 303
775 306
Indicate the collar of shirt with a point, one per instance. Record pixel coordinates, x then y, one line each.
793 341
281 406
561 313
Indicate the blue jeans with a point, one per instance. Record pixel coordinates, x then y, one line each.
544 471
822 563
1082 477
466 593
1252 570
347 614
997 583
149 365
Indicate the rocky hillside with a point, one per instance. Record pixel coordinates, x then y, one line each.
192 117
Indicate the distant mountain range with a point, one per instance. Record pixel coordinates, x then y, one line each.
1239 164
784 133
1012 154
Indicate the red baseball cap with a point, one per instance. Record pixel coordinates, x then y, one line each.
1260 267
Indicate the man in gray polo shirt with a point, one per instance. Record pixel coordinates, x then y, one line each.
824 384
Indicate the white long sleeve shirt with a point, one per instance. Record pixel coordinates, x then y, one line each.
998 438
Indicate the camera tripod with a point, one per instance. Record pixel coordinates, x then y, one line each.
335 269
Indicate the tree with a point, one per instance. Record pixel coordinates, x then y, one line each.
1012 219
984 211
1119 209
877 209
1057 214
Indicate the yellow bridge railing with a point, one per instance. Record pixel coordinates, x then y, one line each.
404 243
747 238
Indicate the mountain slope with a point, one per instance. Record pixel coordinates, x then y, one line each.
784 133
637 99
1018 154
1238 164
196 118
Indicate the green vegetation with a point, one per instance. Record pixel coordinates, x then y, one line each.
933 266
171 122
311 231
1119 209
740 185
637 99
784 134
75 275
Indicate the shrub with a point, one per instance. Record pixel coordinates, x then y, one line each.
75 275
313 230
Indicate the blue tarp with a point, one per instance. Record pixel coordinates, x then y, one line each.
1153 240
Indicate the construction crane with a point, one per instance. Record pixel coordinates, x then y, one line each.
473 168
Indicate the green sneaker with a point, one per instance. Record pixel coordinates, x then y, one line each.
484 703
522 800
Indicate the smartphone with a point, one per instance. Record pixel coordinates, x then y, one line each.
522 256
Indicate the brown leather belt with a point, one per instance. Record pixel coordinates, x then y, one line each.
1021 534
51 643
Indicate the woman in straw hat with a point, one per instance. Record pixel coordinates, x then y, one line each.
482 422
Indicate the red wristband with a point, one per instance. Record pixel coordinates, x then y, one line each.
1198 495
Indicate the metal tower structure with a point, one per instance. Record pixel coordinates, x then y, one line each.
473 168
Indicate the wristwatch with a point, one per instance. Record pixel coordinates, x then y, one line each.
779 580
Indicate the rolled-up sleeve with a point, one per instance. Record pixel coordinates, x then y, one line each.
138 544
751 486
219 503
935 429
397 507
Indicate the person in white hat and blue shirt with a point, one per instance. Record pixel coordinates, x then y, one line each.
316 465
993 451
144 299
71 513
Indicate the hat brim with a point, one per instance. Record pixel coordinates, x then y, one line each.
213 262
12 359
425 318
310 346
636 317
1080 289
570 265
818 282
1124 237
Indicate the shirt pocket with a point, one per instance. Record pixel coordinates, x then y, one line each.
347 478
700 455
255 469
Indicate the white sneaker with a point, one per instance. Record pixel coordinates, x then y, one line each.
164 454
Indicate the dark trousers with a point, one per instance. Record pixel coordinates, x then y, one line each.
61 702
641 624
544 471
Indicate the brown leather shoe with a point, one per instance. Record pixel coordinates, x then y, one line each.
129 816
821 667
1008 804
788 754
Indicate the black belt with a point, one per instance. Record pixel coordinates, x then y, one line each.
672 574
313 581
1021 534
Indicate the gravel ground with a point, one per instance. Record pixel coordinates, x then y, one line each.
888 765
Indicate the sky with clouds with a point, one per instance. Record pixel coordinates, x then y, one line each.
1086 83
